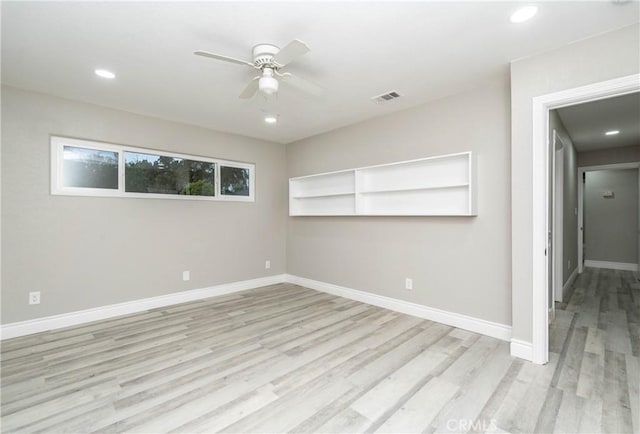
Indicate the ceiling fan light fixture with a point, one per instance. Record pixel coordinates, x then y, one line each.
268 85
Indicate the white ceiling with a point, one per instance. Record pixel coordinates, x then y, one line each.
424 50
587 123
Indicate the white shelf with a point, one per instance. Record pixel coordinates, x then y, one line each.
323 205
435 186
432 187
311 196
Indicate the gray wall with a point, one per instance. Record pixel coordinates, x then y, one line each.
626 154
457 264
604 57
85 252
611 224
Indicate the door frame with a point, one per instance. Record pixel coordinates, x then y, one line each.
541 106
581 171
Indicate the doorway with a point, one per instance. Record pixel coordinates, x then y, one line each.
542 166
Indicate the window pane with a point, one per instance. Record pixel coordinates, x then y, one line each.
89 168
149 173
234 181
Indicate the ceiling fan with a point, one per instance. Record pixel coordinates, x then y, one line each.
269 59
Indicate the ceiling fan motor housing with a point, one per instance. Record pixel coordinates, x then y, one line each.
263 55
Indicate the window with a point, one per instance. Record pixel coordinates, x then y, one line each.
234 181
89 168
85 168
150 173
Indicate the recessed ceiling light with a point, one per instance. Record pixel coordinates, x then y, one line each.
270 119
612 133
104 73
524 14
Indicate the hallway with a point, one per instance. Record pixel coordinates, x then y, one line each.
595 345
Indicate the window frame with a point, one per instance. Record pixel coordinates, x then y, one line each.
57 172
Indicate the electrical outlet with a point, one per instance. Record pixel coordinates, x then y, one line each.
267 264
408 283
186 275
34 297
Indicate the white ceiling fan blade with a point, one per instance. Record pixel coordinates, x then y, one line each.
292 51
251 88
303 84
223 58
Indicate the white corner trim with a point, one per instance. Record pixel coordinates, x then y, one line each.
569 282
477 325
522 349
612 265
38 325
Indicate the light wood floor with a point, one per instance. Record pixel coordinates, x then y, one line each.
286 358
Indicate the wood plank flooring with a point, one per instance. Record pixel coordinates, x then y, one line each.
288 359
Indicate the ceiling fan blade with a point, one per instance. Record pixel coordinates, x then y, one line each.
251 88
303 84
289 53
223 58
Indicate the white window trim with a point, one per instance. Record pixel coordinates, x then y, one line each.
57 156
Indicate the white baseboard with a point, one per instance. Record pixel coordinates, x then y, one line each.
611 265
522 349
569 282
477 325
38 325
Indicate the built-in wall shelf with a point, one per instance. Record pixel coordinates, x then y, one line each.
436 186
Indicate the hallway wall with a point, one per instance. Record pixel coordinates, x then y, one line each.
570 196
611 223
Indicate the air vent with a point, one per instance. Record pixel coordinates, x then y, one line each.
386 97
